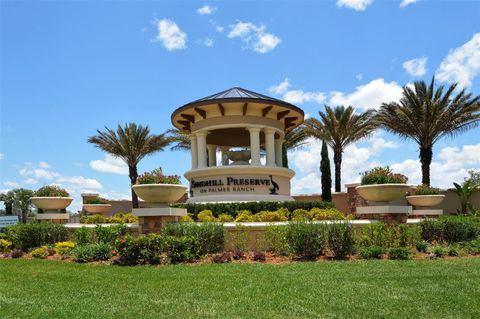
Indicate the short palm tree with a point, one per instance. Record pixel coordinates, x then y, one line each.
340 126
131 143
425 114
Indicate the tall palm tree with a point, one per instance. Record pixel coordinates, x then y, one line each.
425 114
131 143
293 139
340 126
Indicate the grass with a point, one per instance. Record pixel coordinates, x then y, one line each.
361 289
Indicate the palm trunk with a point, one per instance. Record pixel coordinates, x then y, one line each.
337 160
426 160
133 174
284 156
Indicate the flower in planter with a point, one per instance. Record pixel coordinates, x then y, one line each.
424 190
156 176
382 175
96 201
51 191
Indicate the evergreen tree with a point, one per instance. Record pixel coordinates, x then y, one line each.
326 174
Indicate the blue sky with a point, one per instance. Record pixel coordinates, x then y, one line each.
69 68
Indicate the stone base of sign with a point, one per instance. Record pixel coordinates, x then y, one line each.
153 219
389 214
56 218
427 212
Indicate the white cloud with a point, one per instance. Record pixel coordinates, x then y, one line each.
462 64
254 37
170 35
406 3
39 173
110 164
80 181
30 181
2 156
416 67
370 95
206 10
217 27
357 5
44 165
208 42
11 184
296 96
359 76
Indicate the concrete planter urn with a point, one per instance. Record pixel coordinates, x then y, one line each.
51 203
239 157
425 200
382 192
159 193
97 208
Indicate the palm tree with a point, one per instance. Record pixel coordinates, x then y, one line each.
131 143
179 138
340 126
425 114
293 139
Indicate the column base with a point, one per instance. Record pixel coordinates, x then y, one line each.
389 214
153 219
53 218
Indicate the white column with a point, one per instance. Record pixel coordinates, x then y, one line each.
212 155
270 146
278 152
254 145
202 149
193 150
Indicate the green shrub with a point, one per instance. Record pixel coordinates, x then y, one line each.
306 240
451 229
452 251
225 218
473 247
421 246
374 234
119 218
399 253
382 175
276 240
5 245
182 249
437 251
425 190
371 252
210 236
40 253
254 207
267 216
109 234
340 239
140 250
83 235
206 216
300 214
28 236
244 216
187 218
51 191
64 248
240 238
92 252
326 214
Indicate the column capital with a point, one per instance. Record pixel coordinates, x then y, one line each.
201 133
253 129
192 135
269 130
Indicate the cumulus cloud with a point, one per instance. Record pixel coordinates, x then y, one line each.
110 164
44 165
206 10
208 42
357 5
11 184
416 67
2 156
80 181
296 96
405 3
462 64
254 37
370 95
30 181
40 173
170 35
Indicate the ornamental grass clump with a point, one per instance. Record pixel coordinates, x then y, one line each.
382 175
51 191
156 176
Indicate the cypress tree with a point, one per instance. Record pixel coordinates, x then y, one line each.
326 174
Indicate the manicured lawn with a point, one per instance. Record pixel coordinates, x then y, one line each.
364 289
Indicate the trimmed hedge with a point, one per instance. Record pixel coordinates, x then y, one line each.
253 207
450 229
28 236
210 237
